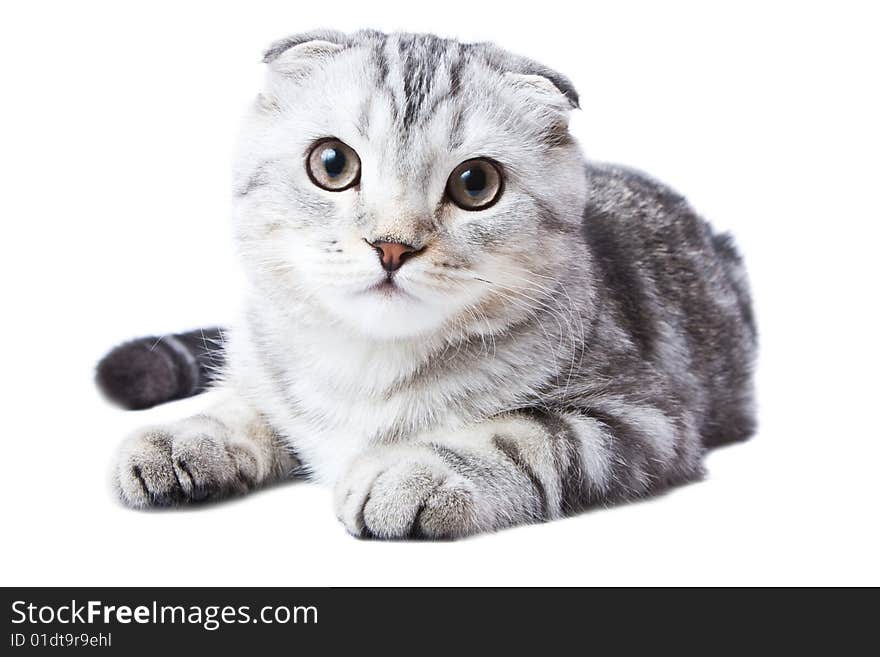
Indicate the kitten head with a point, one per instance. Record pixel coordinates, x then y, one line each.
407 184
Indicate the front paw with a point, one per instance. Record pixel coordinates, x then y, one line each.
398 493
182 463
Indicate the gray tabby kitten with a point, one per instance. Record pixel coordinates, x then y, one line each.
453 318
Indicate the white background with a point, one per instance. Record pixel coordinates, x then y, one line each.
117 131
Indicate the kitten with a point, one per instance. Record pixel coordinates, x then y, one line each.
452 317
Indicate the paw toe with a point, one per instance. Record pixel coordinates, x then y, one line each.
449 512
396 499
145 475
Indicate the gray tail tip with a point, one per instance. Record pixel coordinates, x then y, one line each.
138 375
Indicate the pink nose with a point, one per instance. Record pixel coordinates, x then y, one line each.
393 254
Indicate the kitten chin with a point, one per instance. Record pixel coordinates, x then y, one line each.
387 312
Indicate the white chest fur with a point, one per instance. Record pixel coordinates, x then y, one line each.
332 397
332 394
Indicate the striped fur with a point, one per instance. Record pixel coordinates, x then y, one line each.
580 342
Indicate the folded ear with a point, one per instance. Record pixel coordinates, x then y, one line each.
293 56
531 77
542 90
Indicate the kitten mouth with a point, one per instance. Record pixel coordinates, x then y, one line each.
387 288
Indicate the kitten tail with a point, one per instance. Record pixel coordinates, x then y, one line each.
153 370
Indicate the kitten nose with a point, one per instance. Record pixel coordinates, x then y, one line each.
393 254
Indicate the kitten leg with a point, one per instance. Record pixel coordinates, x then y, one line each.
515 469
228 450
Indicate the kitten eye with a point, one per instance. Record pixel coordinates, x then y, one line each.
475 184
333 165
